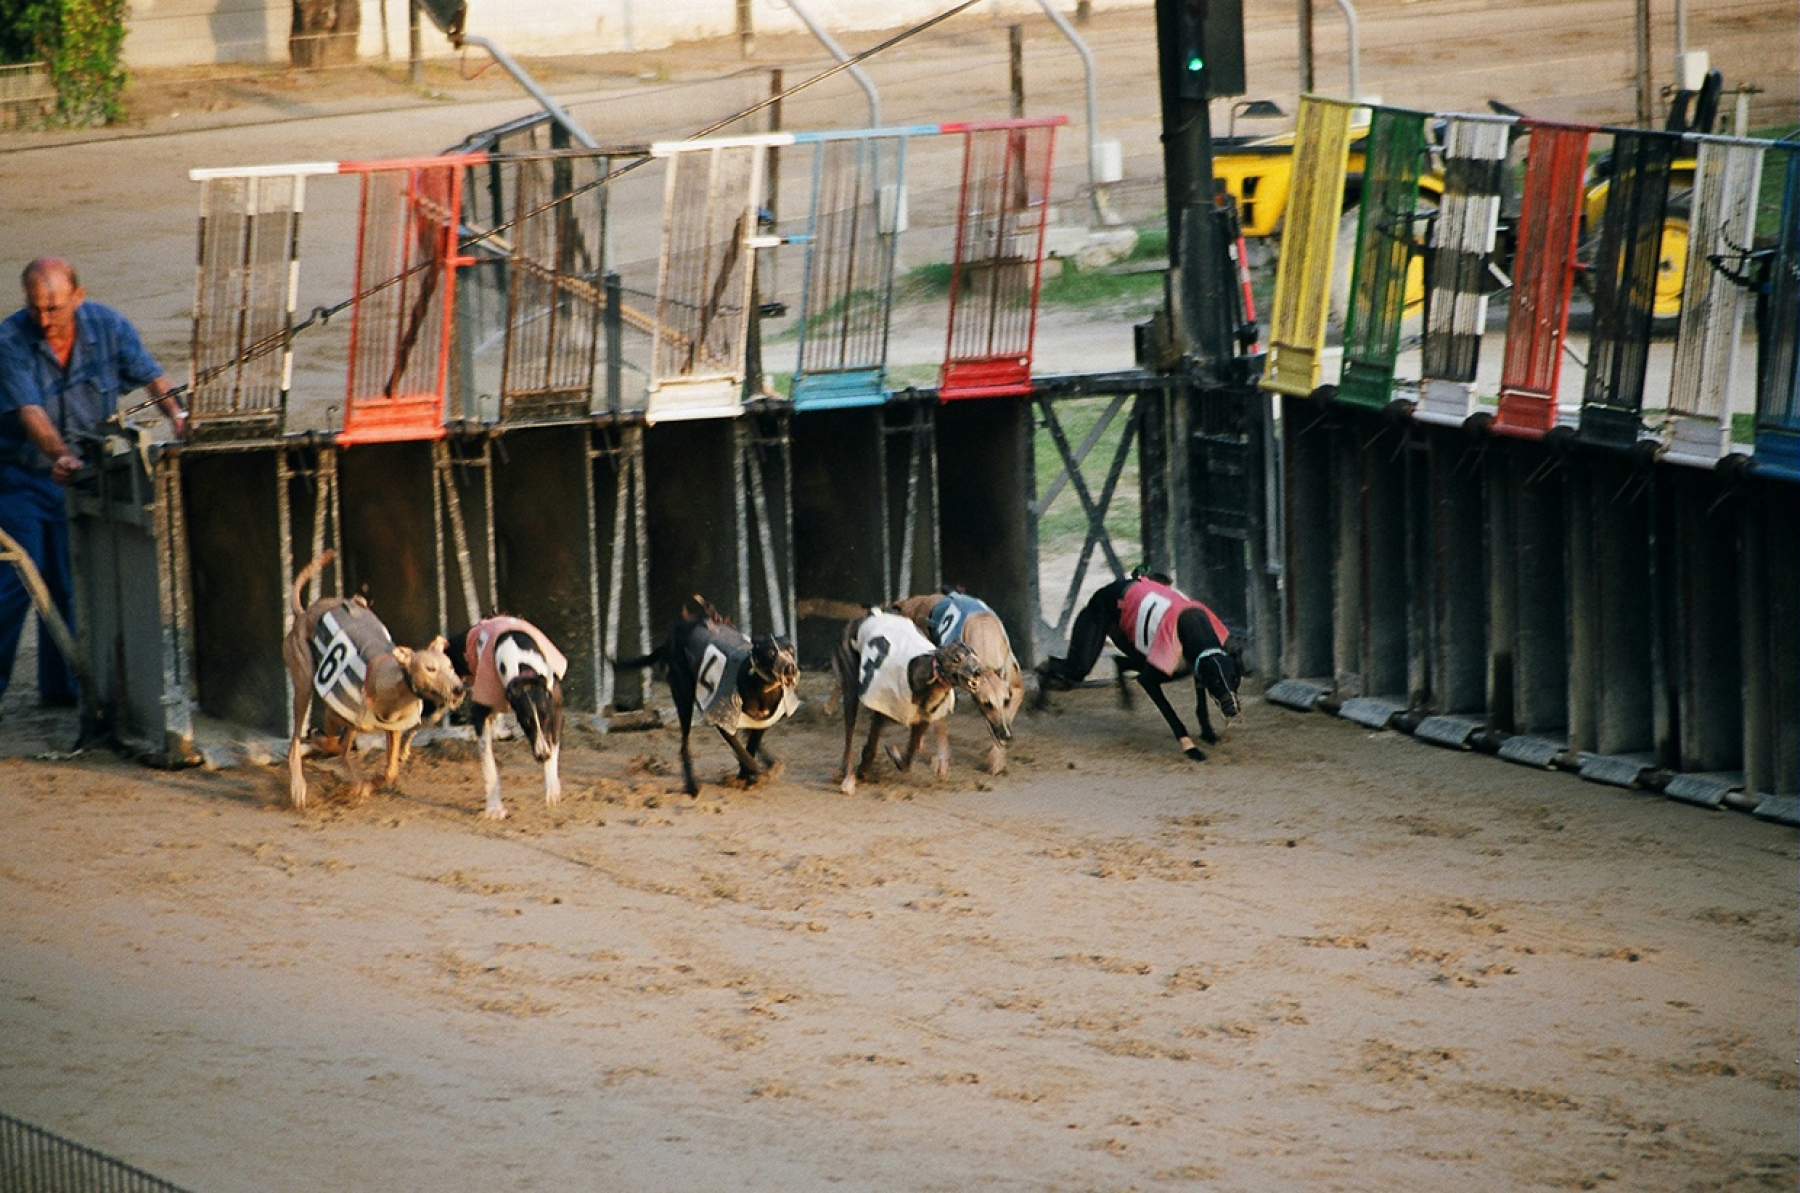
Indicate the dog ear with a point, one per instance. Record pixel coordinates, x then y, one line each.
438 643
403 655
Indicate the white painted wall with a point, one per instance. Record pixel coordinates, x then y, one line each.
202 32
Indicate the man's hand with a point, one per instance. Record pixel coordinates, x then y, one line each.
66 466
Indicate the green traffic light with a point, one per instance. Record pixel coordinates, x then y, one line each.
1194 64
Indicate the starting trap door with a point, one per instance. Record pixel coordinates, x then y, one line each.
1543 276
1385 241
1627 273
706 275
1722 227
555 262
857 213
241 353
1002 214
1462 247
401 318
1778 388
1302 301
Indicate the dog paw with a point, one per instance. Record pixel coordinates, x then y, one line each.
1196 753
940 768
1210 738
848 786
552 796
996 759
494 812
899 759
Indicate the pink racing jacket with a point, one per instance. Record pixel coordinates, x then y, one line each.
492 674
1147 616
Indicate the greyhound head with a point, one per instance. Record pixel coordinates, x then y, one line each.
531 691
772 660
1216 671
959 666
998 693
430 674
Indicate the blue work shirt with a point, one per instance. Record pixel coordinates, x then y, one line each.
108 361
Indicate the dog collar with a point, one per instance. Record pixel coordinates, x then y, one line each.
1207 653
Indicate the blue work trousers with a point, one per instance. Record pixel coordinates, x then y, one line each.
33 511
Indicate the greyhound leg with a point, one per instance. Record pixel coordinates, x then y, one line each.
396 748
1155 692
940 757
302 714
753 742
748 770
553 777
358 787
851 704
996 758
866 768
1203 714
490 771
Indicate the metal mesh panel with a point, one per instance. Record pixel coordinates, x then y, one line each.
1005 206
1778 394
1384 247
1626 269
1462 243
243 304
1309 243
855 220
33 1160
406 261
703 293
1543 273
1721 227
555 296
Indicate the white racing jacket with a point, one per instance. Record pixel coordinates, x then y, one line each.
885 643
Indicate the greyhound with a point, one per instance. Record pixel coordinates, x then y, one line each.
508 663
740 685
953 616
885 663
1162 633
337 648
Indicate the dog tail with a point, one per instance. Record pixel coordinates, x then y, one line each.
306 577
658 657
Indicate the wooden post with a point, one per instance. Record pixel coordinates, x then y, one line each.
1015 50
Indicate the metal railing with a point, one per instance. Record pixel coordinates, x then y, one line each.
33 1160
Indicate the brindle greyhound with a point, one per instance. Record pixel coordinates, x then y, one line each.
885 664
740 685
1162 632
339 649
952 616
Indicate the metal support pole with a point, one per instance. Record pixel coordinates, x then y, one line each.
1306 46
1097 195
837 52
1015 60
1646 103
1354 46
415 46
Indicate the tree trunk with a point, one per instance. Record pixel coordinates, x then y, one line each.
324 32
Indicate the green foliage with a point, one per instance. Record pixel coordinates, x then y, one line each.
27 30
85 65
81 41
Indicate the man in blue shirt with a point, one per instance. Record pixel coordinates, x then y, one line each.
64 365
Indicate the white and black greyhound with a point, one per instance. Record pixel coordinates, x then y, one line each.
1163 634
510 664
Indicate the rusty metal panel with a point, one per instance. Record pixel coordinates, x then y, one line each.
1627 268
1308 246
1721 229
1456 304
712 192
401 321
1002 214
1386 237
1543 275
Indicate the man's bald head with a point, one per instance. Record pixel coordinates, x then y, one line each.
47 269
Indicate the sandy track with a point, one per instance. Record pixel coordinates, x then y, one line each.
1323 959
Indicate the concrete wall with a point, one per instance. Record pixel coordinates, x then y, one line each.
199 32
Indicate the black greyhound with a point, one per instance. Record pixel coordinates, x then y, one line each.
739 685
1136 613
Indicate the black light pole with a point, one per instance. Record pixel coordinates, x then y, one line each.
1204 315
